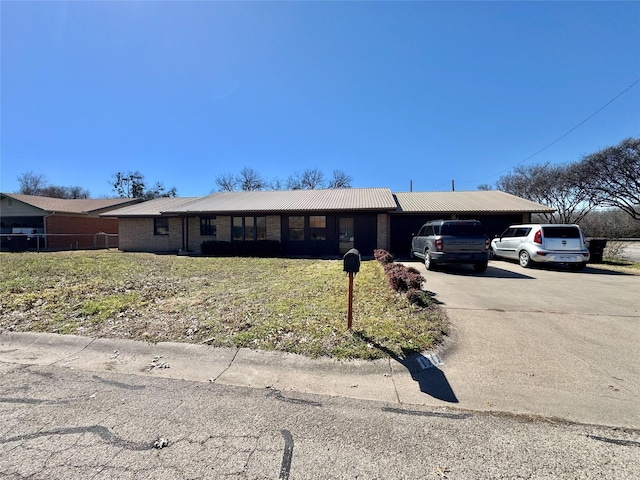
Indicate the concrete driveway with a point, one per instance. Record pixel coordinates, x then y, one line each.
543 341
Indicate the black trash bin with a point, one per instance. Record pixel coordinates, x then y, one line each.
596 248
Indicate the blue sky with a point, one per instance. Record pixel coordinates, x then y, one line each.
388 92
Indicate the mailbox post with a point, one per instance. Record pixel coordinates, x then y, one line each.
351 265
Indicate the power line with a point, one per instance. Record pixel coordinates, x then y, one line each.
584 121
569 131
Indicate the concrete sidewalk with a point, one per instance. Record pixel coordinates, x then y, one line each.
420 380
381 380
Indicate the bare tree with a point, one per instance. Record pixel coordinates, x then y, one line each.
64 192
226 182
557 186
276 184
294 181
484 187
340 180
250 180
78 192
31 183
613 175
610 223
312 178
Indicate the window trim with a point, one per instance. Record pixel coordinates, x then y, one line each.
320 232
161 229
208 225
257 225
297 228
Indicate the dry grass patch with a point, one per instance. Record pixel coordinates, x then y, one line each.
291 305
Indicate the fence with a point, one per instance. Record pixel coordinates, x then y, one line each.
48 242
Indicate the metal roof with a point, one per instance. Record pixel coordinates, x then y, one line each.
347 199
151 208
491 201
337 199
66 205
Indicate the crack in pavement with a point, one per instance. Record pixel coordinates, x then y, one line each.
99 430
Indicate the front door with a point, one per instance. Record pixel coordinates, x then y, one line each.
345 234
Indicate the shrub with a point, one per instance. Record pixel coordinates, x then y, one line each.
382 256
419 297
260 248
216 248
402 278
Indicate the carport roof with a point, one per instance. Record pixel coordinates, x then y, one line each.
337 199
66 205
482 201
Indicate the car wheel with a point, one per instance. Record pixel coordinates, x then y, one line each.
480 267
428 262
492 254
525 259
411 255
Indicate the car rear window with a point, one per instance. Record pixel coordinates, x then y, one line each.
561 232
462 229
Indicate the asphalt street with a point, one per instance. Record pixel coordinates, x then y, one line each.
63 423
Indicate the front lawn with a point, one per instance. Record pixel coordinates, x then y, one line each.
291 305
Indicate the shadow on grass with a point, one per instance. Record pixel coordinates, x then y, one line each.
430 378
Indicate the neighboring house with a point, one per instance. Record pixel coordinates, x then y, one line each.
58 223
315 223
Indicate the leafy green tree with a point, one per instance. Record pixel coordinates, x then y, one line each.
132 185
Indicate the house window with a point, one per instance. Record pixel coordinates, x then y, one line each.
296 228
236 229
261 228
208 226
161 226
249 228
318 227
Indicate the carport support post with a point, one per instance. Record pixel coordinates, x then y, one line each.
350 309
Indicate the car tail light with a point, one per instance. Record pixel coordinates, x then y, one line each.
538 237
439 245
487 244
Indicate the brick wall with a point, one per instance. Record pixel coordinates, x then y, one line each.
136 235
69 231
223 232
224 229
383 231
274 227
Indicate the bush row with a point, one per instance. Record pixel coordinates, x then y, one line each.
259 248
403 279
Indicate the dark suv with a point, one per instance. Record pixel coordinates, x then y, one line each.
451 241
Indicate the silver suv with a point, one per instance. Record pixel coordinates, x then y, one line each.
451 241
537 243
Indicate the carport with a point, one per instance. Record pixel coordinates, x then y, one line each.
495 209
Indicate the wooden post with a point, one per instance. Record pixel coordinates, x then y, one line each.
350 310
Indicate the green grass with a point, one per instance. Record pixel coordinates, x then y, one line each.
618 265
297 306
